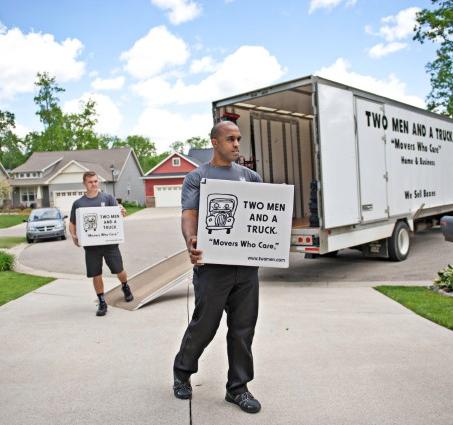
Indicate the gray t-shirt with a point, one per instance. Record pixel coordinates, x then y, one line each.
101 200
190 197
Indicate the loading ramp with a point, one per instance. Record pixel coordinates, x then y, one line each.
153 281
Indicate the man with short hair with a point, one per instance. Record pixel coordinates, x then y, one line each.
95 254
219 287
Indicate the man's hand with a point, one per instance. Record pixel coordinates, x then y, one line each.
195 254
122 210
75 240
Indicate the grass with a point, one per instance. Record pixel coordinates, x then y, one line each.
428 304
13 285
10 241
131 209
8 220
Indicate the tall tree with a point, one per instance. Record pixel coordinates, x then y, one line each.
197 142
12 148
48 103
177 146
437 26
62 131
143 147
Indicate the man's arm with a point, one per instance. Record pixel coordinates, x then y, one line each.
189 227
73 232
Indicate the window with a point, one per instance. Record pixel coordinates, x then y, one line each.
27 195
176 162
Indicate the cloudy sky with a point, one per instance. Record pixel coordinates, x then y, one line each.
154 66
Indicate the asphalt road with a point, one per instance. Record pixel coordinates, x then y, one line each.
153 234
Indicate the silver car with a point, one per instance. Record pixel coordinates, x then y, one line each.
45 223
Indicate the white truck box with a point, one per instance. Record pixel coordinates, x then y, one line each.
367 170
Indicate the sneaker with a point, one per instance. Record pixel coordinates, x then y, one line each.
127 293
245 401
182 389
102 309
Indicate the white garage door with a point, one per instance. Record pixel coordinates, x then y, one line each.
168 196
64 199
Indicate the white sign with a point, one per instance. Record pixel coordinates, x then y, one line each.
242 223
99 226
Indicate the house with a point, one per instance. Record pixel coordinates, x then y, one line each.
163 183
55 178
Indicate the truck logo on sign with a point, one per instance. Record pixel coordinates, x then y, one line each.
90 222
221 210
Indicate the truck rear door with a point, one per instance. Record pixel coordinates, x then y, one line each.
371 125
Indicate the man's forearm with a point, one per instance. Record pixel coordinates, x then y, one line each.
189 224
72 230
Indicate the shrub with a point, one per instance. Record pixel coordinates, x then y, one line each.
445 279
6 261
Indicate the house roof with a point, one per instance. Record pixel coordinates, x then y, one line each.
163 175
181 155
98 160
200 155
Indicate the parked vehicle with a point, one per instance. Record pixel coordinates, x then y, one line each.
45 223
367 170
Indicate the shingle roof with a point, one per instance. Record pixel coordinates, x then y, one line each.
98 160
200 156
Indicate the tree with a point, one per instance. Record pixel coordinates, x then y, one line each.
197 142
49 111
62 131
12 149
177 146
151 161
437 25
5 190
143 147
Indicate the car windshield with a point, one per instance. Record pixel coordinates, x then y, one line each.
39 215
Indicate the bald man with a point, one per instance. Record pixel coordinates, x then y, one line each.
219 287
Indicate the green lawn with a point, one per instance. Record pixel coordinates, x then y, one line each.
132 209
13 285
8 220
428 304
10 241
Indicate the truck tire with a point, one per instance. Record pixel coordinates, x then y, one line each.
399 243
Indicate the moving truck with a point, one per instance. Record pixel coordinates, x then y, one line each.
367 170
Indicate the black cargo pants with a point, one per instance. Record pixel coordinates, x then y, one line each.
233 289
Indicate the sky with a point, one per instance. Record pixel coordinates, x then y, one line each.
153 67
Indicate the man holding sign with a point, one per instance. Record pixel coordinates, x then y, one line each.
219 287
94 255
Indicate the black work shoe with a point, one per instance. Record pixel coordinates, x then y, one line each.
102 309
245 401
182 389
127 293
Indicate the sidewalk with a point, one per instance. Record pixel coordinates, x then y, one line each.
323 356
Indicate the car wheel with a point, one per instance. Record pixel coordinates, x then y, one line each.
29 240
63 238
399 243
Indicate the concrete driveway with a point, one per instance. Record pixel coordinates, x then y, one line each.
329 350
323 355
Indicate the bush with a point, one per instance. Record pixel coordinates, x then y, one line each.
6 261
445 279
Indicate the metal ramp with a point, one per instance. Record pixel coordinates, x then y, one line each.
153 281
